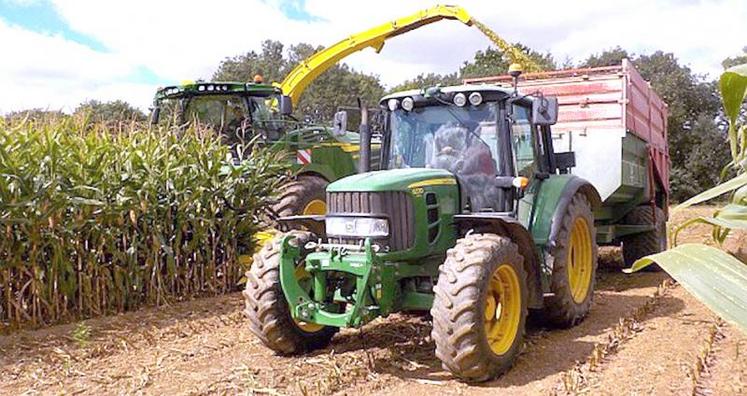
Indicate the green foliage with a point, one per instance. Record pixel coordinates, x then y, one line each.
610 57
713 276
736 60
338 86
733 85
114 113
94 222
81 334
427 80
493 61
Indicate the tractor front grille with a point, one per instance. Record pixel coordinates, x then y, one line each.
396 206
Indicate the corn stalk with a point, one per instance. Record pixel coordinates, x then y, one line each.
96 222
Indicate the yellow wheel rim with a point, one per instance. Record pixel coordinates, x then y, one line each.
315 207
304 278
503 309
579 260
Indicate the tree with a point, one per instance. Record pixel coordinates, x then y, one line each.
610 57
492 62
338 86
427 80
110 113
735 60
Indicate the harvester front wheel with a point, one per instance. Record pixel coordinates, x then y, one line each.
267 310
639 245
480 307
303 196
574 266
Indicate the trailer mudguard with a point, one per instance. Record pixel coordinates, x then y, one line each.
553 197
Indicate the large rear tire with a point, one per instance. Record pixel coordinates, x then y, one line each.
640 245
267 310
303 196
574 266
480 307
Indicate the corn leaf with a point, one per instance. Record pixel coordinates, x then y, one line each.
713 276
723 188
733 84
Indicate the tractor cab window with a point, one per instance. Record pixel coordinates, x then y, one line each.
462 140
226 115
522 139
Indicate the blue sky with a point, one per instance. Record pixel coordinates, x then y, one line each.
68 51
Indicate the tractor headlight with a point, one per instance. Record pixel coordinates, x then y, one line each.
357 226
475 98
408 103
393 104
460 100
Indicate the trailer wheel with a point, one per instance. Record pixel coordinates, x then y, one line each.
639 245
267 310
480 307
574 266
303 196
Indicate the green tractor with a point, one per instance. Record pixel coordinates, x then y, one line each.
474 218
241 112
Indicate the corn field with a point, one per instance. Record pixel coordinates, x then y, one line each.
96 221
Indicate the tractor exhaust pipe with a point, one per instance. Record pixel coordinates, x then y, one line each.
365 140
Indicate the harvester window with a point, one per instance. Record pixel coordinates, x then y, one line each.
522 140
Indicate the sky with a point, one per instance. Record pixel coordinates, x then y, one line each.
58 53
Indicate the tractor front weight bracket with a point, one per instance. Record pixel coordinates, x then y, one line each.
364 267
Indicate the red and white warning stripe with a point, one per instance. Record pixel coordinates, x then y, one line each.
303 157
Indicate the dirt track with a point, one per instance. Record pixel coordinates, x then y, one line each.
640 338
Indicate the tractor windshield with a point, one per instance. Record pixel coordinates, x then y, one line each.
445 137
462 140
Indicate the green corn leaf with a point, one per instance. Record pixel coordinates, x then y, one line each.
713 276
733 84
721 189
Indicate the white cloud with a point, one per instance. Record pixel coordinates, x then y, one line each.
186 39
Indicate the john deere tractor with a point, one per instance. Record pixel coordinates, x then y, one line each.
474 217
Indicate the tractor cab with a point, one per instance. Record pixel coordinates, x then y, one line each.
237 111
486 136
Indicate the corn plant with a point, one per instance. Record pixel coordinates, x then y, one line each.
717 278
94 222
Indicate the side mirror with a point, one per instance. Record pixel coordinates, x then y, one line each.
340 123
545 110
155 114
286 105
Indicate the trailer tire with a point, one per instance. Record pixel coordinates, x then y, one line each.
267 310
466 296
639 245
303 196
574 268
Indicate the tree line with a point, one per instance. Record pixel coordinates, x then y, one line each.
697 140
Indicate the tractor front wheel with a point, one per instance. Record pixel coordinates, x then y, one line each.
480 307
574 265
267 310
303 196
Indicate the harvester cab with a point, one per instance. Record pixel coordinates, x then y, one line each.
237 111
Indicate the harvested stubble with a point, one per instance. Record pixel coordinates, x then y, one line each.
95 222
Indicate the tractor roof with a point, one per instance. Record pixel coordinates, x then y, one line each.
482 88
215 88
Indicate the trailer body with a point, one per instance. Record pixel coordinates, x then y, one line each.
616 125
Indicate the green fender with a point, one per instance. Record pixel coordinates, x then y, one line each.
554 196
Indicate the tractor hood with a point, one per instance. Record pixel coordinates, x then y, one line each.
393 180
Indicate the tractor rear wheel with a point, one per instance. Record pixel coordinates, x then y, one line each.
574 266
303 196
639 245
267 310
480 307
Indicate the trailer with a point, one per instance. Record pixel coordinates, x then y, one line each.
611 116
